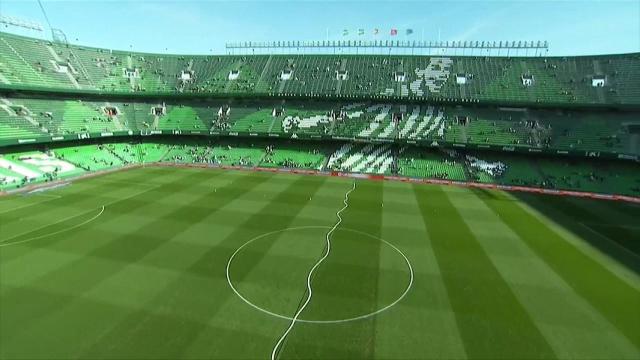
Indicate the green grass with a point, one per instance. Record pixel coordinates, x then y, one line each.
496 275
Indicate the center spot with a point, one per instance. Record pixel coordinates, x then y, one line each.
362 276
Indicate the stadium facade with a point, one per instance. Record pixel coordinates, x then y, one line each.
554 123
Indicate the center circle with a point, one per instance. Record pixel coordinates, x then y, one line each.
330 321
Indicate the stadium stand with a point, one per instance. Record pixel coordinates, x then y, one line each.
556 173
34 63
53 162
611 132
362 158
556 123
22 168
91 157
421 163
295 155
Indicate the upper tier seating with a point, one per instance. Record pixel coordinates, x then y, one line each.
34 63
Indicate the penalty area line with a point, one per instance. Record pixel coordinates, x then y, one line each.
8 242
48 198
310 275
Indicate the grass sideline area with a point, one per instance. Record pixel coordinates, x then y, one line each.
133 264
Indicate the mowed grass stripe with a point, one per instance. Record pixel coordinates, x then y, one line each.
117 209
607 220
77 201
98 264
601 223
423 322
77 190
570 325
334 288
174 256
278 213
298 205
73 200
606 231
33 225
618 302
195 294
111 195
110 259
492 322
22 201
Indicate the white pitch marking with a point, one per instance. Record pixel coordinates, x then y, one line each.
53 196
611 241
310 275
624 226
6 242
50 196
23 206
334 321
40 193
116 181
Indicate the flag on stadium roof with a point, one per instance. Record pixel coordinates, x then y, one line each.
394 32
409 31
360 31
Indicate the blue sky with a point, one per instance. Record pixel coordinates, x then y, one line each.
203 27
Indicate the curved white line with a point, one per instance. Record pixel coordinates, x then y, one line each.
333 321
310 275
6 242
31 204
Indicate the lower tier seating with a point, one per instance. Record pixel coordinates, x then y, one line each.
578 131
27 165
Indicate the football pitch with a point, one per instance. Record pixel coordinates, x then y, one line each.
163 262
